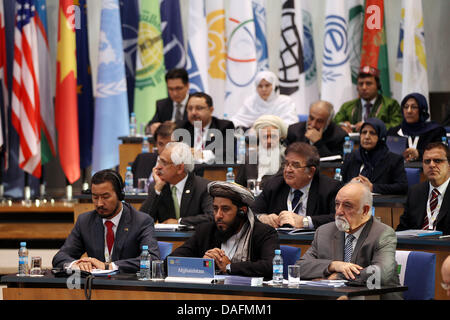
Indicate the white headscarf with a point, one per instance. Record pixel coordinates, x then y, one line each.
276 104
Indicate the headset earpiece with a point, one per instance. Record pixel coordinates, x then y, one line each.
119 186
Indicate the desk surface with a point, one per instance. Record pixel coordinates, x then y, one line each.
130 282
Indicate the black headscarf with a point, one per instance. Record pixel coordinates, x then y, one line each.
422 126
371 158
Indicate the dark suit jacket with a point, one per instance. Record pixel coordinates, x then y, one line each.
332 139
431 136
416 209
263 242
164 111
389 175
320 203
376 246
216 124
143 165
135 229
195 206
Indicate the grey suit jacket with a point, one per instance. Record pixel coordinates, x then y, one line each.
135 229
375 247
195 207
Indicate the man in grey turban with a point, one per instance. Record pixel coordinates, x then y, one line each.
238 243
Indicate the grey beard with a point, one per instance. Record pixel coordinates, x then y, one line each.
342 224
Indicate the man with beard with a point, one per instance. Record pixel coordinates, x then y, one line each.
355 246
238 243
112 235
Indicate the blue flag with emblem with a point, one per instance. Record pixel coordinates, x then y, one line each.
172 34
111 101
84 90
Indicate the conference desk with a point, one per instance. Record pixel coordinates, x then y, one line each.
127 287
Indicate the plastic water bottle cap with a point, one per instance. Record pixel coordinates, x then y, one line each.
277 251
230 169
128 168
144 247
338 170
23 244
347 138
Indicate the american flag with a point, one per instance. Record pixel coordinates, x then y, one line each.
25 89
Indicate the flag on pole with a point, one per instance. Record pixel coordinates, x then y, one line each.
336 75
84 90
411 67
66 111
172 34
46 91
259 16
291 52
215 17
374 48
241 55
197 64
355 34
309 87
129 15
111 100
4 85
25 89
150 84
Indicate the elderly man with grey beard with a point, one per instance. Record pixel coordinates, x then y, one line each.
355 246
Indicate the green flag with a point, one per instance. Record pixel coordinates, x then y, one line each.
383 64
150 84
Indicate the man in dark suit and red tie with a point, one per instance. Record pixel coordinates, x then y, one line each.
112 235
428 204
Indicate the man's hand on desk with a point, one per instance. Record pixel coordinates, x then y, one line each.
220 259
170 221
88 264
291 218
346 268
270 219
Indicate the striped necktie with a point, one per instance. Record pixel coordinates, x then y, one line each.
297 196
348 250
178 115
433 204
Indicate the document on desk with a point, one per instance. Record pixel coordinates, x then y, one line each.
168 226
325 283
331 158
103 273
417 233
296 230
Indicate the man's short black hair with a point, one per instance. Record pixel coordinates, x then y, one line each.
438 145
179 73
207 97
307 151
111 176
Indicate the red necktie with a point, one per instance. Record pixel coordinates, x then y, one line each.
109 235
433 204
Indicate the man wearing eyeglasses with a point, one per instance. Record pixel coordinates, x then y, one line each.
173 107
428 203
206 132
177 195
300 197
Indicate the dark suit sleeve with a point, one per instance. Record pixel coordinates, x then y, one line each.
398 183
73 248
206 215
261 203
150 204
263 249
407 219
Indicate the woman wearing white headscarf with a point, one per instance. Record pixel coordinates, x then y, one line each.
266 101
271 132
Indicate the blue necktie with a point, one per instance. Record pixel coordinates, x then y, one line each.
348 250
297 195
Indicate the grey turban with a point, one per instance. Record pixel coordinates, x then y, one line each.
232 191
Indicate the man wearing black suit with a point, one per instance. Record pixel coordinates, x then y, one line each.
319 130
172 108
428 203
300 197
112 235
177 195
206 132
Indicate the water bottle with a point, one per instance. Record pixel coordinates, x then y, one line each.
129 181
277 277
23 259
337 174
348 146
444 141
241 150
133 124
144 271
145 145
230 175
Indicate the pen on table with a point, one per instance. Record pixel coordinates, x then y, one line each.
444 237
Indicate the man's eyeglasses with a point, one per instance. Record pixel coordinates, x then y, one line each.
164 163
294 164
436 161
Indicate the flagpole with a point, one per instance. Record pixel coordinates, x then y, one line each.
69 192
85 185
27 190
42 191
2 187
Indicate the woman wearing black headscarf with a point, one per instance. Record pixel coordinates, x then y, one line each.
415 127
373 164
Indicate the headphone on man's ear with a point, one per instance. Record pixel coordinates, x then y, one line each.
241 213
118 187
